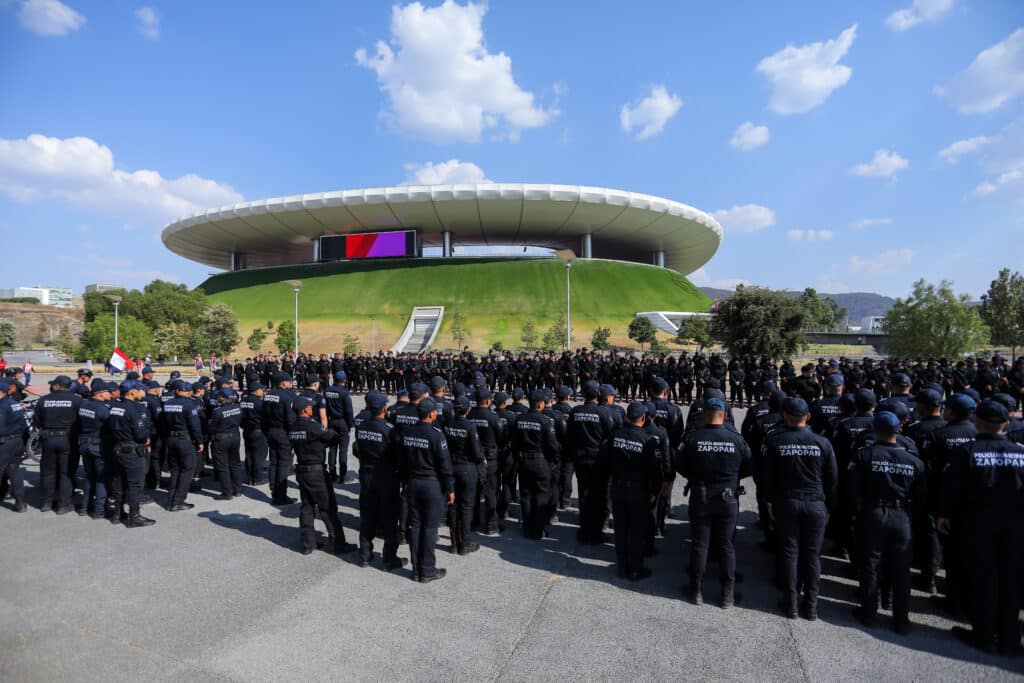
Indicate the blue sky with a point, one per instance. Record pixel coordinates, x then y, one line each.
846 146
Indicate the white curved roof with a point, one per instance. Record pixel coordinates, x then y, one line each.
623 225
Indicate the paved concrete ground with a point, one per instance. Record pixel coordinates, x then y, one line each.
222 593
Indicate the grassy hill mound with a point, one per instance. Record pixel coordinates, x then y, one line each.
497 296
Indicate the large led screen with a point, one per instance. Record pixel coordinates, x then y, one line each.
400 243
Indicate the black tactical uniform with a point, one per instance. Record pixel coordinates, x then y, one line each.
97 449
13 435
427 471
184 433
339 418
55 416
223 427
377 448
589 426
467 455
130 429
278 420
492 430
535 447
253 437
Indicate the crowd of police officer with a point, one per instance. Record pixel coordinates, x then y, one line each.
899 464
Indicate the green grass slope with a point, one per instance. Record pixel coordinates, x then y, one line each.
497 296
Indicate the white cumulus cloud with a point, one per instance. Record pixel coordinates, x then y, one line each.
745 218
809 235
451 172
748 136
1009 177
149 22
81 171
995 77
49 17
884 164
919 12
869 222
442 83
885 263
648 117
962 148
802 77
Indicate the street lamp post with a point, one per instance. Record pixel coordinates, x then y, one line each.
568 308
373 334
117 302
296 286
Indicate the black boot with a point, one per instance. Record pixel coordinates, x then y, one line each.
135 519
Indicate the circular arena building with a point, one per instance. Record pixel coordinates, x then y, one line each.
401 221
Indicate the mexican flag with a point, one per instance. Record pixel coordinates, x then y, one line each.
121 361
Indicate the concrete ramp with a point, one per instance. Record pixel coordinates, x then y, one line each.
670 321
421 330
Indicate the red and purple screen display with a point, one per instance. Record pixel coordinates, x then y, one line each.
400 243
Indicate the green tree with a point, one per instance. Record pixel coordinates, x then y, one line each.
66 344
174 340
284 338
695 330
529 334
7 338
1002 309
642 331
350 343
220 329
497 347
933 321
760 321
458 329
42 334
255 340
822 313
599 340
134 337
270 324
554 338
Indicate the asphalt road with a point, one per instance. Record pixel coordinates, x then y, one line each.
222 592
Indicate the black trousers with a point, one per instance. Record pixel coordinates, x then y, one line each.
10 464
535 494
568 468
799 532
486 512
227 463
927 551
631 506
466 476
255 455
99 469
56 480
153 471
713 522
181 455
507 469
378 513
133 461
592 491
996 548
337 455
425 502
884 544
280 464
317 493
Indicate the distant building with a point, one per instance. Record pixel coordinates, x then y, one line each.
872 324
89 289
48 296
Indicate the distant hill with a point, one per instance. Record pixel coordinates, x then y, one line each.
857 304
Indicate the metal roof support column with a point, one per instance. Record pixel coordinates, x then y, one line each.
446 244
659 258
316 249
585 247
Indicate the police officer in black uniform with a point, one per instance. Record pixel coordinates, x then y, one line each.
635 468
223 426
801 475
184 435
589 426
129 430
886 482
467 455
253 437
714 460
427 471
14 433
377 448
339 418
97 450
56 418
984 495
278 419
310 440
534 448
493 433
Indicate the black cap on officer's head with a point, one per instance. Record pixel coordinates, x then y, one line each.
482 394
885 422
312 379
518 394
713 405
536 396
175 374
797 407
636 410
376 401
897 408
340 376
993 412
961 403
301 403
226 394
61 381
255 386
417 390
131 375
715 393
147 370
864 399
5 385
660 386
563 393
928 397
97 385
835 380
437 383
900 380
402 393
500 398
181 385
1008 401
462 404
608 390
279 377
426 407
84 372
591 389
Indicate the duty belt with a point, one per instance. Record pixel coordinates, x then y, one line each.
9 437
807 497
128 446
52 433
533 455
224 435
178 434
310 468
899 504
88 440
